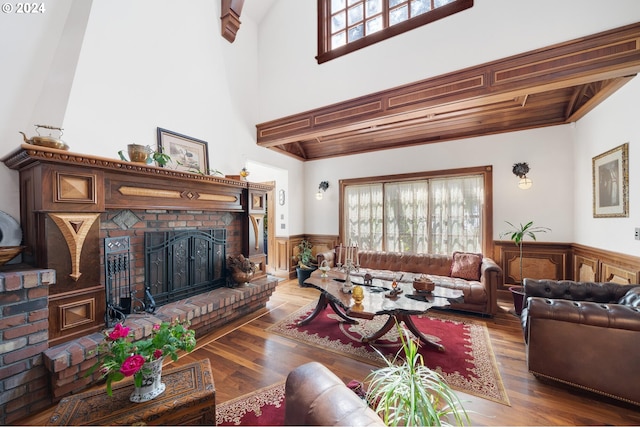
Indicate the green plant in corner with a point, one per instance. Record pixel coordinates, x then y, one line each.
408 393
305 254
518 234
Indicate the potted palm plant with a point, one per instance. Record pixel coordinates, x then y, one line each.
304 257
517 235
408 393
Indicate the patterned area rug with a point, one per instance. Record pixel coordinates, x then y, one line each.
468 364
264 407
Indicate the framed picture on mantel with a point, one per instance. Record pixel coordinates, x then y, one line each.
187 154
611 183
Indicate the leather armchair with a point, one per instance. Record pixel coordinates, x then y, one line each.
584 334
315 396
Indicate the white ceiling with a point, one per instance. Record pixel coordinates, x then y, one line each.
256 9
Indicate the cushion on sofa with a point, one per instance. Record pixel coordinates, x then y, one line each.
466 265
631 298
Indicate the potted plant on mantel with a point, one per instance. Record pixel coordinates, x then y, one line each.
517 236
304 258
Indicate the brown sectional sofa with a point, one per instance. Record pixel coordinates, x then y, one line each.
480 293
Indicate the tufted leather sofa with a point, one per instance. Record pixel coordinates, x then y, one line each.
584 334
315 396
480 296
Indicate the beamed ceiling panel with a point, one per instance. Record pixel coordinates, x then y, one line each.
546 87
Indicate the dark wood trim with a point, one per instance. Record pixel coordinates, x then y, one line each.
230 18
548 86
324 54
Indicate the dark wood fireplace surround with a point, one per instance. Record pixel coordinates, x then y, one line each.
69 204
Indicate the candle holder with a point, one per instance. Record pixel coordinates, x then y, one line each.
348 267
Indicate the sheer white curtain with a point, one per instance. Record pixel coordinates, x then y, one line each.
456 214
363 216
405 214
438 215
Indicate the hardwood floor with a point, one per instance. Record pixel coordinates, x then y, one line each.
244 357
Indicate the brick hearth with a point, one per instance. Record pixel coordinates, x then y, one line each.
33 376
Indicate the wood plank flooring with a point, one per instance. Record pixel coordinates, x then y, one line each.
244 357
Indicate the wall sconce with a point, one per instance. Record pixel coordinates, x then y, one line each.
520 170
321 189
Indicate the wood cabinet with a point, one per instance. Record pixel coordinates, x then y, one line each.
189 399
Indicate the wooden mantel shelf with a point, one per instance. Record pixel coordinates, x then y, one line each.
94 184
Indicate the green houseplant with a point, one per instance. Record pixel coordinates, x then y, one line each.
304 258
517 235
406 392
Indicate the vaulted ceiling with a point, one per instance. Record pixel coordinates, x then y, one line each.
550 86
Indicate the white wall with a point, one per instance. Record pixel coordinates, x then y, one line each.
142 64
613 123
291 80
500 151
28 45
148 63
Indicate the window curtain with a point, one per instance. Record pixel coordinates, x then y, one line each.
456 214
438 216
363 216
406 216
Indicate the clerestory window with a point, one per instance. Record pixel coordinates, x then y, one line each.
436 213
347 25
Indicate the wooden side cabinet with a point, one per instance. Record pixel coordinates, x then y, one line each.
189 399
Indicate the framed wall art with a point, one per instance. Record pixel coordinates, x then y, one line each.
188 154
611 183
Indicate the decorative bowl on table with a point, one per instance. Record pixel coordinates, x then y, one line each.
7 253
423 284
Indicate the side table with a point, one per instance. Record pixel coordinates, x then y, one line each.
189 398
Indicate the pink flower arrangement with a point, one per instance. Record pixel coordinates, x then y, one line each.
119 357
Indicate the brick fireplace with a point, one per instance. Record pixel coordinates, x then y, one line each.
69 204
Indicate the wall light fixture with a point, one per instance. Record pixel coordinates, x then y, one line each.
321 189
520 170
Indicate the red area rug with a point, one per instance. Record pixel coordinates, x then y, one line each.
468 364
264 407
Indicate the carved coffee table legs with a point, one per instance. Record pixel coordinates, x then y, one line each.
323 301
408 321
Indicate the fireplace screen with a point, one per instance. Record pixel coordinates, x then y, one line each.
179 264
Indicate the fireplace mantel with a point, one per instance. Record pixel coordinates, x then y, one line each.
68 202
94 184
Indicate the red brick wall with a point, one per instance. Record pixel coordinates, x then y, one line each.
24 332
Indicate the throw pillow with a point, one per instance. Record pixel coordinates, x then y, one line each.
631 298
466 265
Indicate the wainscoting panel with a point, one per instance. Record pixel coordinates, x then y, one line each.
585 269
539 261
608 266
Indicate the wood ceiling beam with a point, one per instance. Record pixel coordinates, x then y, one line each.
230 17
491 87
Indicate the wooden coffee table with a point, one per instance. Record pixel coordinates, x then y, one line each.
376 302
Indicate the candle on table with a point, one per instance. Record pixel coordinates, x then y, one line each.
340 254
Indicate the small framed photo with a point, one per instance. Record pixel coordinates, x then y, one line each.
611 183
189 154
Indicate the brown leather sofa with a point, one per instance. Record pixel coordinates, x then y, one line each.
315 396
480 292
584 334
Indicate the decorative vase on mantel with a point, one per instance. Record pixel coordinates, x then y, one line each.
152 386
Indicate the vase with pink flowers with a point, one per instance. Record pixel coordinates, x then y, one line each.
120 357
